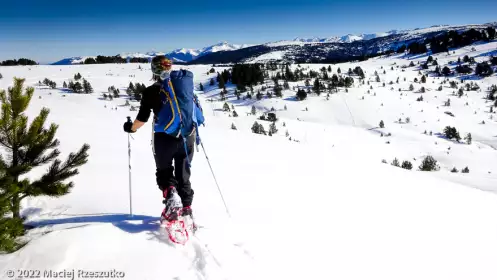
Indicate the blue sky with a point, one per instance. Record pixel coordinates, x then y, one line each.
50 30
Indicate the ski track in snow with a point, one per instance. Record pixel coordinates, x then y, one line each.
322 208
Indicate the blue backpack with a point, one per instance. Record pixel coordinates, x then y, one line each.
181 112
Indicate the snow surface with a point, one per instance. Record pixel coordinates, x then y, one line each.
276 55
324 207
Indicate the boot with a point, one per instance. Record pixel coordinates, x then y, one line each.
187 212
172 203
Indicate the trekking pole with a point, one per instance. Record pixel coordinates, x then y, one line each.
215 180
129 165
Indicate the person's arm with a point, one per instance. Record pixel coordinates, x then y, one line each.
143 113
137 124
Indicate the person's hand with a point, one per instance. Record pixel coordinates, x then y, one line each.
128 125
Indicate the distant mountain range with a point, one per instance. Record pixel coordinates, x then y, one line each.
349 38
179 55
299 49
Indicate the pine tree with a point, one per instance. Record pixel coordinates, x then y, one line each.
301 94
316 87
411 87
468 138
382 124
253 111
64 85
423 79
256 128
30 147
286 85
235 114
211 83
201 87
272 128
233 126
221 82
11 228
395 162
329 68
262 130
483 69
454 170
77 87
226 107
87 87
428 164
491 32
465 170
259 95
406 165
446 71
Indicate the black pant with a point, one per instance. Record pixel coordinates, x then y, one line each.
166 149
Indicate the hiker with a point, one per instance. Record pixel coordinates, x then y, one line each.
177 115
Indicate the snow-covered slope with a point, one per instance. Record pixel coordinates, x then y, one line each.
324 207
72 60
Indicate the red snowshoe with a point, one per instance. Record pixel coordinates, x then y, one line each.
176 219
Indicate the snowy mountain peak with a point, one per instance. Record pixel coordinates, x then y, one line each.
221 46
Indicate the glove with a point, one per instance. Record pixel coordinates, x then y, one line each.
127 126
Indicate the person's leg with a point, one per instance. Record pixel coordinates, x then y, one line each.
183 172
165 147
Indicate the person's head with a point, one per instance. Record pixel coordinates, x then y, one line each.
161 67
